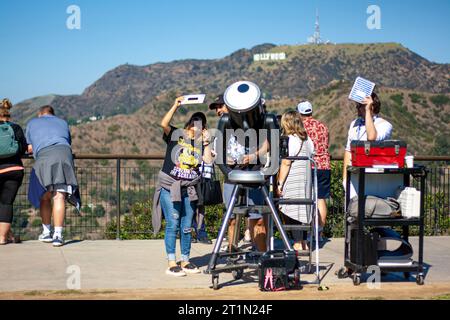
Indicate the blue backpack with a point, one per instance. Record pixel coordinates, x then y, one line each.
8 144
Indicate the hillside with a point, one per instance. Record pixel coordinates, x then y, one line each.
307 68
409 112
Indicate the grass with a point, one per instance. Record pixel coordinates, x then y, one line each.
103 292
68 292
33 293
367 298
442 297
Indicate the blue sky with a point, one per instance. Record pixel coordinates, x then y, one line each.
41 56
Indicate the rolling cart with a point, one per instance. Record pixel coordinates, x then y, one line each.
356 265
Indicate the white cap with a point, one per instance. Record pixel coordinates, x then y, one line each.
304 107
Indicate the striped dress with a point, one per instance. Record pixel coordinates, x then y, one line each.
299 180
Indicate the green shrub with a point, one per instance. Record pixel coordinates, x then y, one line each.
440 100
136 225
36 223
397 98
99 211
436 214
213 219
86 209
135 149
335 205
442 146
416 98
113 128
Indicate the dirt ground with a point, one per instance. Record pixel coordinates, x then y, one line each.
391 291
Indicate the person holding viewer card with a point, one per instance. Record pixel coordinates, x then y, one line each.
369 126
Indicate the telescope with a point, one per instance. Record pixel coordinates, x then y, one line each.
253 128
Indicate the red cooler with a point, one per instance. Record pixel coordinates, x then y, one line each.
378 153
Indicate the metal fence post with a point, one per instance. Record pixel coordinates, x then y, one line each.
118 198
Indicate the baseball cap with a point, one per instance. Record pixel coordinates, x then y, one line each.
304 107
217 102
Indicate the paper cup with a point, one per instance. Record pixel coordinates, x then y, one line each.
409 160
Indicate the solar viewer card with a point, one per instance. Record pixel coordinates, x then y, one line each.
193 99
362 88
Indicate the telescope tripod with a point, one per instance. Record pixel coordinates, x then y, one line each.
237 268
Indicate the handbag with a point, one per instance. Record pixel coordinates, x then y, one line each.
209 191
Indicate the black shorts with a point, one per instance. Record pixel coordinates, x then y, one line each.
323 183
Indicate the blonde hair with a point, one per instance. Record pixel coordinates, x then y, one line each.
292 124
5 106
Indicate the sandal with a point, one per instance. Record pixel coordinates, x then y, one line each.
12 238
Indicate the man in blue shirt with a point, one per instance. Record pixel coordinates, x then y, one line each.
47 130
49 140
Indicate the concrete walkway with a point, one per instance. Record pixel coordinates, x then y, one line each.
141 265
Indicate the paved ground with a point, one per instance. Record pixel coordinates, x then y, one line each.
125 268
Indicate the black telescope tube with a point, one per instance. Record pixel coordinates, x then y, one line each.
224 120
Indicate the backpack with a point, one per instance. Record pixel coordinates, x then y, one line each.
8 144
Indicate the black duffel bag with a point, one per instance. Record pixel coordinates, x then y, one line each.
209 191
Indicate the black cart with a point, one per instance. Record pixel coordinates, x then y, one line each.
357 267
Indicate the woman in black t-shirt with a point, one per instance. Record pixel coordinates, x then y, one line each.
186 148
11 168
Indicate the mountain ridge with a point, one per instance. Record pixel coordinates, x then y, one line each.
126 88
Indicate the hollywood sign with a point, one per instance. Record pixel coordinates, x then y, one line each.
269 56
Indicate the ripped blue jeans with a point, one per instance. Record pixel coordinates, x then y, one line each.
178 217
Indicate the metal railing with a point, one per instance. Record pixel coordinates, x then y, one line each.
117 190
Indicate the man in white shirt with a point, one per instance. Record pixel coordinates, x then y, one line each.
369 126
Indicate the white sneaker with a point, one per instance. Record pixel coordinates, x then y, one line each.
58 241
45 237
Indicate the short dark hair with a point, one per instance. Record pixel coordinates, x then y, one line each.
47 109
376 104
198 116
